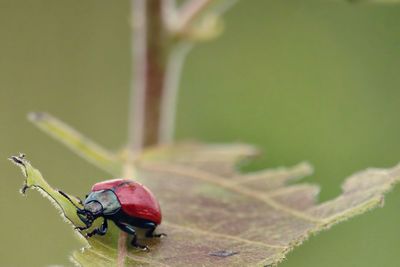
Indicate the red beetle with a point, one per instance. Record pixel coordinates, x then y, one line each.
125 202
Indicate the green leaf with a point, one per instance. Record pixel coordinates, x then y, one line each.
77 142
216 216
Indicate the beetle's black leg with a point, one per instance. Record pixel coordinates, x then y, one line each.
152 234
88 224
104 227
81 228
129 229
102 230
137 245
152 227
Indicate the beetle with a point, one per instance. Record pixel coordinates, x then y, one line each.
125 202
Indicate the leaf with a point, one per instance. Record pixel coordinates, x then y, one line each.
77 142
217 216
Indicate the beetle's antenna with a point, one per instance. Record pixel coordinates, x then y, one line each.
70 200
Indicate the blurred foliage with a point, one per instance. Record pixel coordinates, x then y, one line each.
305 80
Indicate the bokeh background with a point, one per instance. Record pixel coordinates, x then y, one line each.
303 80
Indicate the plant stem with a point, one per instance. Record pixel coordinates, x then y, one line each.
150 46
170 93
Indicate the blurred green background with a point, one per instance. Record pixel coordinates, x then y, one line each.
304 80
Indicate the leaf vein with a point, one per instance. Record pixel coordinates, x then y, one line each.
213 234
222 182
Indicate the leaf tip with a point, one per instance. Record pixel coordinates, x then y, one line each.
20 161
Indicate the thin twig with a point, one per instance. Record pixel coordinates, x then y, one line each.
170 92
169 12
190 11
138 83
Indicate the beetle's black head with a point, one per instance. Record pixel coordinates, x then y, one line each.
90 211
